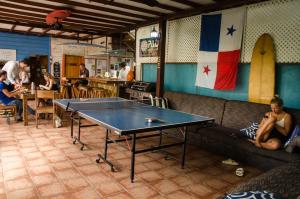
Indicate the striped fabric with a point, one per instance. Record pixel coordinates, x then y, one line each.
253 195
250 131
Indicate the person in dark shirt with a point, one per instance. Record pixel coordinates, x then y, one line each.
8 96
84 73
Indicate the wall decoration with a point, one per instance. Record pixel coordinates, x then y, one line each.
149 47
8 54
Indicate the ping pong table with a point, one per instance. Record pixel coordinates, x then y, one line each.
130 119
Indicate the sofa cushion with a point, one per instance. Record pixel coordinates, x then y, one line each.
284 180
239 114
253 194
197 104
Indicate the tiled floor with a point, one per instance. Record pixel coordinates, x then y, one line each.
43 163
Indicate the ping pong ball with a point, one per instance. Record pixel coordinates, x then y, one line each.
149 120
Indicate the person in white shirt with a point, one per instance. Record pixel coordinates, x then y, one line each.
123 71
13 69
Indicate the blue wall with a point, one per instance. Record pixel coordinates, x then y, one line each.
181 78
25 45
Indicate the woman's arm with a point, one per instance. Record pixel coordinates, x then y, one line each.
287 125
49 85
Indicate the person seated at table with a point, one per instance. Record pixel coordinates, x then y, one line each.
8 96
274 128
84 73
50 83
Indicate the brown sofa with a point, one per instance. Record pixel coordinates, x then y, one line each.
225 138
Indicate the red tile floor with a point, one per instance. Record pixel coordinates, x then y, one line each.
43 163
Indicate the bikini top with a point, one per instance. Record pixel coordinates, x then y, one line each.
281 122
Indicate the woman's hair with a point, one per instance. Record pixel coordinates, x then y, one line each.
48 75
277 100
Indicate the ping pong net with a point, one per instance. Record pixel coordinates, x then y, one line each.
101 105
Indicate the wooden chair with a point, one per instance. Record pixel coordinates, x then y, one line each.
8 112
41 97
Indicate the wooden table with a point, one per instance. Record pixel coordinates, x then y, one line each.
25 97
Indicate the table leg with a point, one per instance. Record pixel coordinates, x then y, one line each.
184 146
25 111
132 158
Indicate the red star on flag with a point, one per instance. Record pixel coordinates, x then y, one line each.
206 69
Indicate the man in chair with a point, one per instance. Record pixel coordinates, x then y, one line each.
8 96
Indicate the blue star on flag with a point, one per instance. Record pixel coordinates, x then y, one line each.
230 30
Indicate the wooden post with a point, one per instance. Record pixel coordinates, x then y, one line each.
161 58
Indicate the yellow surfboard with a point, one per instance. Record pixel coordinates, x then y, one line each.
262 71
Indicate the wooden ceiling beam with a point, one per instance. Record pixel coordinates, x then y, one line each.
29 30
68 20
37 20
59 33
188 3
13 27
38 34
104 9
36 25
45 31
220 5
75 12
129 7
160 5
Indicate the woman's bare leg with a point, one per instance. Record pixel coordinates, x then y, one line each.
271 144
264 131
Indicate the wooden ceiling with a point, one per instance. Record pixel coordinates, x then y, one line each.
95 18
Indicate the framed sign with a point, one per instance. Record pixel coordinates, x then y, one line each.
8 54
149 47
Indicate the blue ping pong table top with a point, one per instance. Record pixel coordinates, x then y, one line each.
133 119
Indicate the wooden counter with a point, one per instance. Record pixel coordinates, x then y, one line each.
107 83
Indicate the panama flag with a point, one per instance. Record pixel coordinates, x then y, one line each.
220 43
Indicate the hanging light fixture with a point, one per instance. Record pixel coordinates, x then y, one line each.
153 33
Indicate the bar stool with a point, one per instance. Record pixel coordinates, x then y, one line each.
65 91
84 92
98 93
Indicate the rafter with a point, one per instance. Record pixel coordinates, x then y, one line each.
47 11
13 27
45 31
36 25
38 34
29 30
100 8
187 2
75 12
67 21
37 20
129 7
163 6
59 33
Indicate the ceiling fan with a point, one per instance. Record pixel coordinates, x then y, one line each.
55 18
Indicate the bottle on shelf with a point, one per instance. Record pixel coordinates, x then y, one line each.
32 88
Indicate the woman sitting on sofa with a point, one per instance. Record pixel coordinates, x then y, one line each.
274 128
